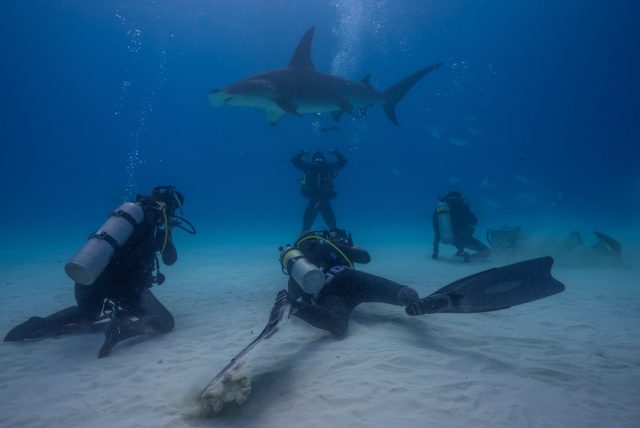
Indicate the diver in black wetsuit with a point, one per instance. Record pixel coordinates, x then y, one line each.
121 292
324 288
344 287
463 222
318 186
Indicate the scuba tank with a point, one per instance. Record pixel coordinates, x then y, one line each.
85 267
308 276
445 227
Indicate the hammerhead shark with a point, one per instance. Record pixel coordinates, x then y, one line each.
299 88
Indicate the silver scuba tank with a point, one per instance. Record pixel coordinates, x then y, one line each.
85 267
308 276
444 223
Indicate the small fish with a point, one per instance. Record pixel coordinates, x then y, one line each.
522 179
459 141
475 132
454 180
487 185
435 132
491 203
395 170
329 129
525 199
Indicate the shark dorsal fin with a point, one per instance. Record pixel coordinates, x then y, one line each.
302 56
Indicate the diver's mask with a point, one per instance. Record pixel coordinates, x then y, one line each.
172 200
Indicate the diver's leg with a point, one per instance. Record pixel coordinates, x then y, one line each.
70 320
331 314
152 316
482 251
359 287
310 214
327 214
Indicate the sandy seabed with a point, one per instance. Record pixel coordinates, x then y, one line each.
571 360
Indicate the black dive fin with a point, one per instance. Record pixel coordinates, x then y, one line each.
395 93
302 55
611 243
493 289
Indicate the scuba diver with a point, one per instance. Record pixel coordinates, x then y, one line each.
318 185
324 288
114 271
454 223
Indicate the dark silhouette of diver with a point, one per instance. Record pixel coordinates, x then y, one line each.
604 249
463 222
121 292
340 288
318 186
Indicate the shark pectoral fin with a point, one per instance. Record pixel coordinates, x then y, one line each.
346 107
274 116
216 97
287 106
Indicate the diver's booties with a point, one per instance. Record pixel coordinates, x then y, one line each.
429 305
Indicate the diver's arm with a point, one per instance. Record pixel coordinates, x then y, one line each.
170 254
298 162
341 161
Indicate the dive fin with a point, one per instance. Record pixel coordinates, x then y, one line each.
493 289
395 93
611 243
302 55
337 114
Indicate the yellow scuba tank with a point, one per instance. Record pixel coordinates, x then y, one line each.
85 267
445 227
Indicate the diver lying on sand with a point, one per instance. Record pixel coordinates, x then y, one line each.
324 288
113 273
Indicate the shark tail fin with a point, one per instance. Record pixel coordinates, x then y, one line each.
394 93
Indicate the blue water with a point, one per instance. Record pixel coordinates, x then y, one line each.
533 117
